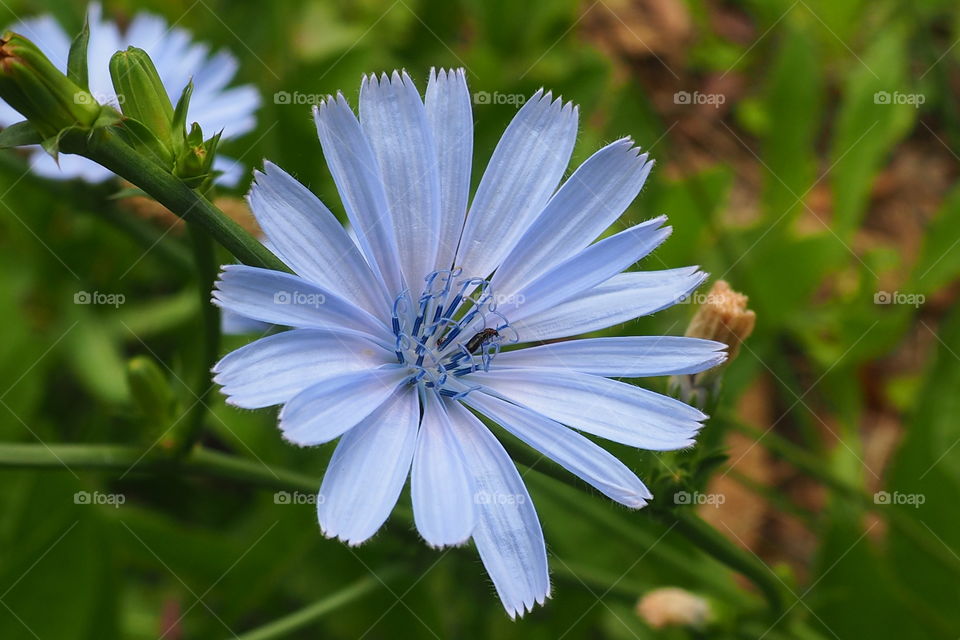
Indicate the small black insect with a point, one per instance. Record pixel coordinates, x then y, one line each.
480 339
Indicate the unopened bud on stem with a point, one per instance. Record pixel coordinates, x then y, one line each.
141 93
723 317
674 607
32 85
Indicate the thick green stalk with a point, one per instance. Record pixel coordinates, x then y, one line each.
200 461
711 541
106 148
206 264
300 619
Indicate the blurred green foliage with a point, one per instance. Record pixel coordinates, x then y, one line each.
227 557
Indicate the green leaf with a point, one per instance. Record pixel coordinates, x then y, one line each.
924 483
179 124
939 261
794 101
871 120
77 59
18 135
140 137
129 192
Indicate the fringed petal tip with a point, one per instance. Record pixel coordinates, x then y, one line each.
518 610
444 74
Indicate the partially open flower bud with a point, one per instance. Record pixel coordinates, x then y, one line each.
674 607
723 317
32 85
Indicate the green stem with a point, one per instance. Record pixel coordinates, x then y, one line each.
199 461
206 262
303 617
105 148
711 541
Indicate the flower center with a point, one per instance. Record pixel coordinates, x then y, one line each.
452 329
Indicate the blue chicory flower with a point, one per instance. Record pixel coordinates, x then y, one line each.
177 57
402 337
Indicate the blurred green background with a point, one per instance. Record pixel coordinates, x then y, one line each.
807 154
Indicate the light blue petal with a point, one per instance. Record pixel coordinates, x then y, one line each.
449 112
507 534
623 297
231 171
592 266
233 324
395 122
218 71
626 357
147 31
607 408
440 487
572 451
355 171
288 300
9 115
326 410
307 236
589 202
522 174
70 166
48 35
231 110
368 470
274 369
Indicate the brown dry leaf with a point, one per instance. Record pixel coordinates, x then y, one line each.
637 29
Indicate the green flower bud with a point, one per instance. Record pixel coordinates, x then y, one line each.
141 93
32 85
150 391
194 163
